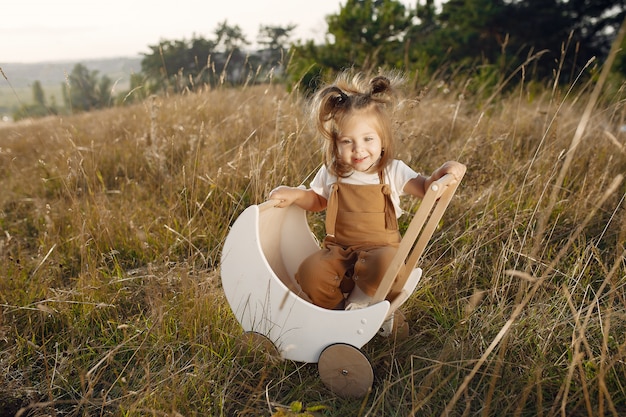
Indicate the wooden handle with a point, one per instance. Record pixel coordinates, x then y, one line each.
417 235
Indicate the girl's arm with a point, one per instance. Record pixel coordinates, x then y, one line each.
306 199
417 186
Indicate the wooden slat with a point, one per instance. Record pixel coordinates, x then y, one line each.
417 235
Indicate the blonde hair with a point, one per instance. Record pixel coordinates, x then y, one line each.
349 93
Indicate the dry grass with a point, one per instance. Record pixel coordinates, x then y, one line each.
112 224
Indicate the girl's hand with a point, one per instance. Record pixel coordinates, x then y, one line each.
285 196
417 186
303 198
456 169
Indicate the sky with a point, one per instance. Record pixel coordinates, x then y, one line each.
43 30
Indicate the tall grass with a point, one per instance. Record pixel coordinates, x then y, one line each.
112 224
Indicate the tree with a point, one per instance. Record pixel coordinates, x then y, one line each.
170 64
182 65
104 92
492 37
230 38
504 33
38 94
366 34
138 90
38 108
85 91
275 38
369 33
178 65
275 42
573 31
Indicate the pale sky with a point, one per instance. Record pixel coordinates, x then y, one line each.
44 30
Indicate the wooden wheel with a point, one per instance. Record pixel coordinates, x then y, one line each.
255 345
346 371
400 326
398 329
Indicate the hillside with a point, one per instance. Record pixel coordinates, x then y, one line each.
53 73
16 84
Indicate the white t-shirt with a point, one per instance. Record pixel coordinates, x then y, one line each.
397 174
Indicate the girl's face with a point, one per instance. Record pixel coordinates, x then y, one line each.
359 145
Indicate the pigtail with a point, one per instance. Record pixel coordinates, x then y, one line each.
333 100
328 102
380 85
338 98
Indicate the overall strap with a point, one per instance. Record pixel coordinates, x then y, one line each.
331 210
391 221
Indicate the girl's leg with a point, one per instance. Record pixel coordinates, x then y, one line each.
371 266
320 276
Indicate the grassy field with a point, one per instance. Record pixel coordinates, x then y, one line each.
112 224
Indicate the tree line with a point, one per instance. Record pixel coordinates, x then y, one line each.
485 39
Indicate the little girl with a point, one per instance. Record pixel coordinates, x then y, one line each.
360 185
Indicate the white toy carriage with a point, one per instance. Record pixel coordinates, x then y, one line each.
260 256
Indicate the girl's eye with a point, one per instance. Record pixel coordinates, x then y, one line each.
368 138
345 141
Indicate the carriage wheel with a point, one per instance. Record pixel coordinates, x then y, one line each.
255 345
395 328
346 371
400 326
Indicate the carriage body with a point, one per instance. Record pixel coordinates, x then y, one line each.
261 254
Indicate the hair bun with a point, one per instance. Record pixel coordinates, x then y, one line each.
380 84
337 97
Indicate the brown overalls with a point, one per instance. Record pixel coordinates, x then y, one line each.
362 238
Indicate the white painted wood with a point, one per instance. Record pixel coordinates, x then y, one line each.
261 253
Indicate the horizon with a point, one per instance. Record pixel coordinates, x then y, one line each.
73 30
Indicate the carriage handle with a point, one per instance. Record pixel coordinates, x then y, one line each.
417 235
